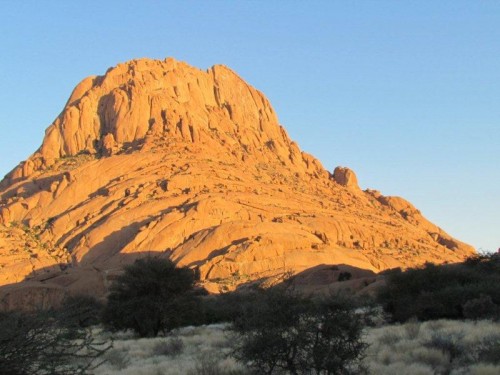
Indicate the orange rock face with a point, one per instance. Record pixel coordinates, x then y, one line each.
158 157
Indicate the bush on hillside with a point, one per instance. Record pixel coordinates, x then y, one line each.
151 296
285 332
457 291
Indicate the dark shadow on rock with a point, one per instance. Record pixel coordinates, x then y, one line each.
329 278
112 244
92 275
30 186
216 252
326 279
47 287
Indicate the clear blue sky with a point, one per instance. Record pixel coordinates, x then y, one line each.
406 93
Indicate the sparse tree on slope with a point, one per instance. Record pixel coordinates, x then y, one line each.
151 295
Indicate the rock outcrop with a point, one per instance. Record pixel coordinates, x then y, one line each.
149 99
158 157
345 177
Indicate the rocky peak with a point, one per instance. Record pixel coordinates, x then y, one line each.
146 100
158 157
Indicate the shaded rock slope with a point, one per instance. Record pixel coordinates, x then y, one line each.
158 157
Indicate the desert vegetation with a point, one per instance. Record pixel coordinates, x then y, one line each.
282 331
155 322
467 290
151 295
188 350
46 343
428 348
434 347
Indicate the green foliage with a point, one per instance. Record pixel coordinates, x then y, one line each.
39 344
283 331
151 295
467 290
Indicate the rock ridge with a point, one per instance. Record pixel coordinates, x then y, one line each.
144 99
161 158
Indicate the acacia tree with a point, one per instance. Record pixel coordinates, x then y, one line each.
41 344
150 296
334 343
283 331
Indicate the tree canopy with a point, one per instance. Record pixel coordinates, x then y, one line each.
151 295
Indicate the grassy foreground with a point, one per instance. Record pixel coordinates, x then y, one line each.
434 347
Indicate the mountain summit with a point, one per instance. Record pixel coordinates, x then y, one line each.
161 158
145 100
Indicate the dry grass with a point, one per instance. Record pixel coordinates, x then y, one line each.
435 347
192 350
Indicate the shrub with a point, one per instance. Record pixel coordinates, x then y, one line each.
40 344
282 331
412 328
489 350
225 307
118 359
171 347
436 292
80 311
480 308
450 344
151 295
207 364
